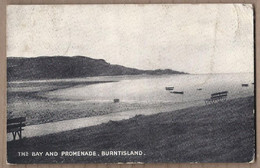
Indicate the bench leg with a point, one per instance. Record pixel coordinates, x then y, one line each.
14 135
20 134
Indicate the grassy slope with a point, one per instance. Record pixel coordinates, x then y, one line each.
213 133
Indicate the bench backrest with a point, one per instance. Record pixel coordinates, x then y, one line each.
16 123
219 94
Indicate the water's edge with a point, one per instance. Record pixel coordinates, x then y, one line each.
66 125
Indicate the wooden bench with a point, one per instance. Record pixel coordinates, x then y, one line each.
217 97
15 126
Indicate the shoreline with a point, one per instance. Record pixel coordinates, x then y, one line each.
39 104
52 86
81 122
204 134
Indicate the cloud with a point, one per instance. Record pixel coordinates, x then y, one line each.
204 38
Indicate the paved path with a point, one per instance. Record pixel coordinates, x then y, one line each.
66 125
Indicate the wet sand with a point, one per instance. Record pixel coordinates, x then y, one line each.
28 100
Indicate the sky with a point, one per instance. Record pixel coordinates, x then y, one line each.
200 38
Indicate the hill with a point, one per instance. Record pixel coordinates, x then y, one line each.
59 67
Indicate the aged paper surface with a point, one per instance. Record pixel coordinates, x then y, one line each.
130 83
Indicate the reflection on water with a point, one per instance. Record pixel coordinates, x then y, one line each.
151 89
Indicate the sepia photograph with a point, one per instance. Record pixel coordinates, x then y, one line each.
147 83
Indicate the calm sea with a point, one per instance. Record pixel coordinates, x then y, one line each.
151 89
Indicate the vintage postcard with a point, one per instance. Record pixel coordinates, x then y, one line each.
158 83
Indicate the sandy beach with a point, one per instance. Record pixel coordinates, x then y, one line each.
219 132
30 101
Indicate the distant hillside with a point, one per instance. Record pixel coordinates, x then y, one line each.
59 67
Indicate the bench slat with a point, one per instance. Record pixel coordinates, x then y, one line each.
16 120
13 130
13 126
220 93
